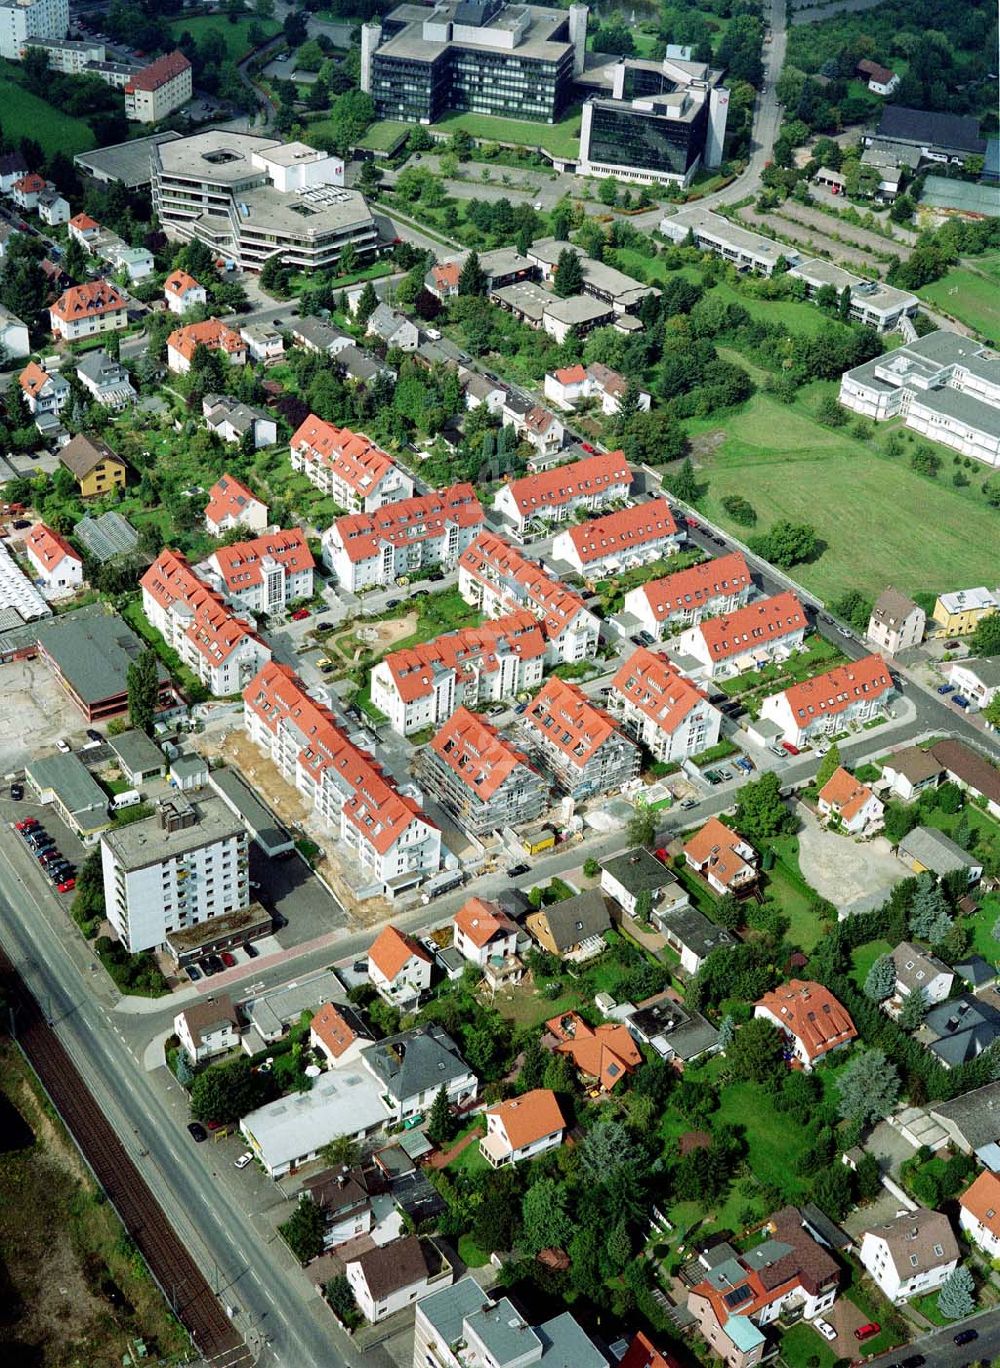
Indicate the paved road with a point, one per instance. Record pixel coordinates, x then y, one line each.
939 1349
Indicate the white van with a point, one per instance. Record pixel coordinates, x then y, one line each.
126 799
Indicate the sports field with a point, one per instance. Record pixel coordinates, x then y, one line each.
561 139
26 116
235 36
971 294
881 523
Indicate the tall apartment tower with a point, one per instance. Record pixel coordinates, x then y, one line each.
24 19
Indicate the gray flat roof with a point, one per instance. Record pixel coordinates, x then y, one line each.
693 929
136 752
93 653
72 782
935 850
712 225
966 408
817 271
637 870
215 155
147 842
272 1011
566 1345
127 162
577 309
341 1102
260 821
525 297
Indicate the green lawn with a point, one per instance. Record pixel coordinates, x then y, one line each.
804 1347
776 1141
983 940
864 956
471 1254
438 613
561 139
235 36
26 116
788 466
972 294
526 1008
382 136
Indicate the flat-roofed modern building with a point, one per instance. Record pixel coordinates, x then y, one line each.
873 304
90 652
251 199
712 233
66 783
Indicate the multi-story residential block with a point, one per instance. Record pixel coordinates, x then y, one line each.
910 1255
185 865
399 968
182 343
483 932
872 303
576 741
46 393
568 386
382 826
499 579
976 680
58 568
896 622
421 686
208 1028
253 199
944 385
848 695
522 1128
263 575
478 776
959 613
357 474
106 379
557 494
979 1214
605 283
852 804
620 541
660 707
85 310
769 629
22 20
722 857
231 504
182 292
222 649
94 466
684 598
364 549
159 89
810 1018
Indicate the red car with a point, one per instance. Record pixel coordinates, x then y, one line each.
66 886
26 824
228 958
792 750
299 614
867 1331
587 447
693 522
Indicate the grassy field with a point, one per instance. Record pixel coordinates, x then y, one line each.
382 136
561 139
235 36
804 1347
788 466
970 294
775 1141
864 956
26 116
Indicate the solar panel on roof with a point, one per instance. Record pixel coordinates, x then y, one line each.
738 1296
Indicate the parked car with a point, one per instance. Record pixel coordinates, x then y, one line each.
66 886
521 707
825 1328
197 1132
689 803
94 735
845 631
867 1331
228 958
588 448
948 645
645 638
245 1158
251 950
63 745
944 689
914 1361
193 973
515 871
25 824
17 792
966 1336
960 701
393 603
792 750
300 614
436 576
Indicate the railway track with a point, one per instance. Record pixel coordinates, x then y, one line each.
173 1267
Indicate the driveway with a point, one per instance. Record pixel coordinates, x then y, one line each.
854 877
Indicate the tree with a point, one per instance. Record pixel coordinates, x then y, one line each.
829 763
957 1297
760 809
303 1231
497 1219
930 918
913 1009
340 1298
880 979
439 1119
833 1191
366 305
728 912
641 828
683 485
472 277
868 1177
545 1218
727 1032
868 1087
591 867
643 905
342 1152
755 1051
533 1062
786 544
142 682
226 1092
568 276
182 1069
855 608
559 1076
985 640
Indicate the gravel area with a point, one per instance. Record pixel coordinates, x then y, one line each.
853 876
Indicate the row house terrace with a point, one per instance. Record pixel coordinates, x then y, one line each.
556 494
577 741
685 597
357 474
660 707
265 574
752 636
620 541
846 696
497 578
383 826
421 686
364 549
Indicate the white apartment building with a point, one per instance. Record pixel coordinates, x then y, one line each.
976 680
265 342
555 495
498 579
632 536
85 310
572 384
766 630
21 20
208 1028
67 57
684 598
421 686
182 292
58 568
660 707
159 89
382 826
357 474
183 342
979 1206
896 623
846 696
263 575
911 1254
45 392
364 549
945 386
183 866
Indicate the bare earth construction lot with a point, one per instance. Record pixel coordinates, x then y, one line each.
34 713
852 877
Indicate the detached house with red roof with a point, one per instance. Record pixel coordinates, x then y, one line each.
442 281
25 191
979 1214
722 857
364 549
577 741
159 89
845 800
499 579
399 968
532 423
483 932
84 230
717 586
382 826
421 686
264 575
182 343
755 635
602 1055
846 696
555 495
620 541
567 387
232 504
182 292
357 474
46 393
660 707
478 776
339 1034
86 310
58 568
810 1018
522 1128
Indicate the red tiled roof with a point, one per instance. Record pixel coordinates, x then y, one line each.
446 275
179 283
359 462
331 1028
211 333
610 381
833 692
228 498
159 73
92 300
31 183
491 560
48 547
551 488
657 688
408 521
810 1013
571 375
33 379
391 949
84 222
465 651
845 793
619 532
642 1353
606 1053
479 921
982 1200
563 714
477 754
875 71
239 563
716 847
766 620
694 588
530 1117
375 807
538 420
215 631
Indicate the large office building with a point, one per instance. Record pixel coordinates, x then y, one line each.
251 199
21 20
484 56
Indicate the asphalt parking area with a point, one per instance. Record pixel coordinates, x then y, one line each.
34 713
290 888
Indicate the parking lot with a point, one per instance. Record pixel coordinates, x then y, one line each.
34 714
25 860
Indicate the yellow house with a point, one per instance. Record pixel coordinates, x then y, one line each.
957 614
94 465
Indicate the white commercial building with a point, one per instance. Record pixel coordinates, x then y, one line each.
17 592
746 250
873 303
185 865
291 1131
24 19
